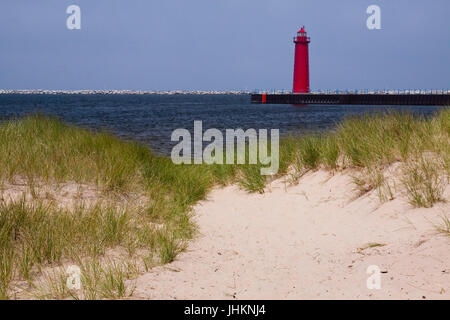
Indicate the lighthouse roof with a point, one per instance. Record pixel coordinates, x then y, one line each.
302 29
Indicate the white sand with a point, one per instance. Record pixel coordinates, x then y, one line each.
301 242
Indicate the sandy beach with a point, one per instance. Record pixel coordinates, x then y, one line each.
313 240
360 214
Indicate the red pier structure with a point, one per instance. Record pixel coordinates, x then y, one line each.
301 62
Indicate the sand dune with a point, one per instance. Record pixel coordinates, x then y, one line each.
307 241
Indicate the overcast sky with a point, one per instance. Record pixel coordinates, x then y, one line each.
222 44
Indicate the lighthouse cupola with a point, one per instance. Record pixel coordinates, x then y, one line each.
301 62
301 35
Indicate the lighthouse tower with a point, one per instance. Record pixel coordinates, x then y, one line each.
301 62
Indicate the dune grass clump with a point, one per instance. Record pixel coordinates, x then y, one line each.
42 148
113 280
370 143
35 234
375 139
424 182
311 148
444 227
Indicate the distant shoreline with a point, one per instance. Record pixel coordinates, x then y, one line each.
212 92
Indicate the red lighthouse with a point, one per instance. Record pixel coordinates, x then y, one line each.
301 63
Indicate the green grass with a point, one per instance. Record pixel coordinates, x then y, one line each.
424 181
370 143
444 227
98 281
310 151
39 150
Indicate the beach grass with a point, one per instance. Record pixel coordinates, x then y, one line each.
37 234
371 143
39 150
444 226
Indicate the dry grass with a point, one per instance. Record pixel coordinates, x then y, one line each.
444 227
369 144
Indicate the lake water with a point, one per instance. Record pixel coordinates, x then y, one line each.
152 118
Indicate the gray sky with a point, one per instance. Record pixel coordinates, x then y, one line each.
222 44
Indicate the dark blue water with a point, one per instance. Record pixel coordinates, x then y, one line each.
152 118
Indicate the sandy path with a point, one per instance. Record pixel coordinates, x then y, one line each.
301 242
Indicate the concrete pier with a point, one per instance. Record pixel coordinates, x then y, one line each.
425 99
